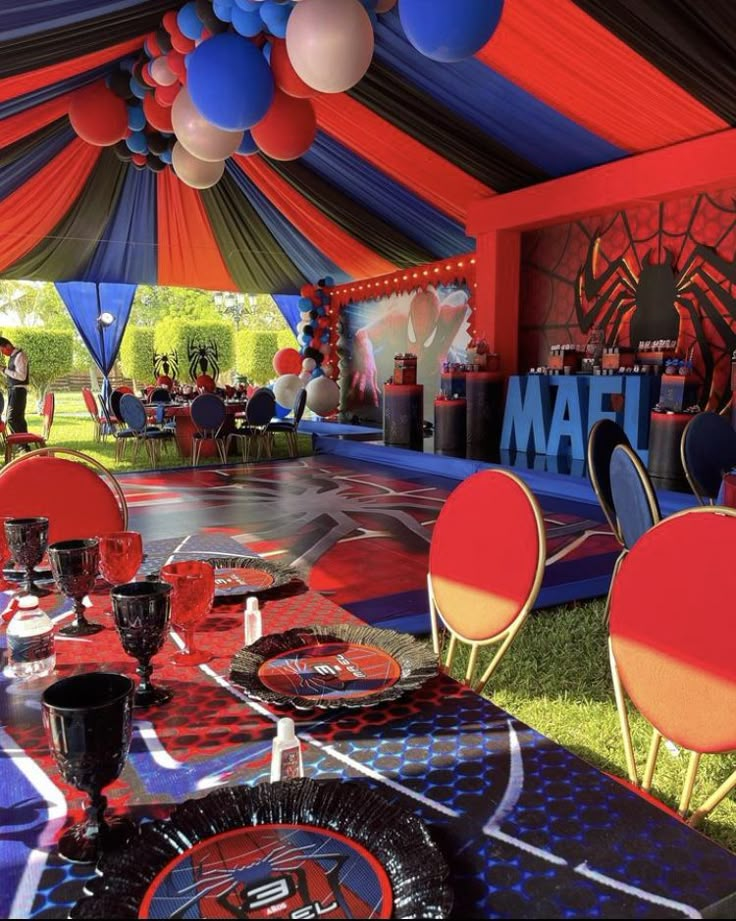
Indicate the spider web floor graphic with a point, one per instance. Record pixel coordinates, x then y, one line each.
359 531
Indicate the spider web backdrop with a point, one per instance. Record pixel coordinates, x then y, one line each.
554 257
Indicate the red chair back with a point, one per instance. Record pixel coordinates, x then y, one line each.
90 403
49 408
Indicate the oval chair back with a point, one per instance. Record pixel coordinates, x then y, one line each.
160 395
482 584
708 451
49 408
300 404
634 499
115 398
260 407
674 655
208 414
90 403
603 437
133 413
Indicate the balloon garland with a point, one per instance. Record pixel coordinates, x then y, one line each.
220 77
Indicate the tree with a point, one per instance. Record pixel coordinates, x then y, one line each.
255 349
286 339
49 353
136 353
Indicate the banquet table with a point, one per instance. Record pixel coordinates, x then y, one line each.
528 829
181 413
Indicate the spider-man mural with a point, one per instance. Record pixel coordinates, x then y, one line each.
659 271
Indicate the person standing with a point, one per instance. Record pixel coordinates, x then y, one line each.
16 375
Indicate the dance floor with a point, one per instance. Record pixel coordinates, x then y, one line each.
360 531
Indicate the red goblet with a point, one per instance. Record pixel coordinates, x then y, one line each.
193 584
121 555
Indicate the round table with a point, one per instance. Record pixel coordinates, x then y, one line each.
181 413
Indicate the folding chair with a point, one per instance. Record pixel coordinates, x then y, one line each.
603 437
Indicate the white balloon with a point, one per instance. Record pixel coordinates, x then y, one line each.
309 364
323 396
162 73
201 138
305 377
197 174
285 390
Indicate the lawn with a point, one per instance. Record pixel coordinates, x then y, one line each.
555 676
73 428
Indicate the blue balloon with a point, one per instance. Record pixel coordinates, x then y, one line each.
165 156
247 146
137 88
127 64
449 30
266 50
325 337
275 16
318 372
305 303
281 412
230 82
137 142
188 21
248 23
223 10
247 6
136 118
329 281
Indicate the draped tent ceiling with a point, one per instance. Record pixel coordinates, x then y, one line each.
563 85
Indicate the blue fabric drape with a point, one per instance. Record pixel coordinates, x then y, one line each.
127 251
85 302
393 202
305 256
288 304
504 111
14 175
44 93
28 16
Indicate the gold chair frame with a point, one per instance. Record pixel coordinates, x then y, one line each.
651 762
610 518
691 481
506 636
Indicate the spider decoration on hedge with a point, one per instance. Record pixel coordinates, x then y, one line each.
166 364
204 358
652 304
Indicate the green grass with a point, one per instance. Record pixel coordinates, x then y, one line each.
556 677
73 428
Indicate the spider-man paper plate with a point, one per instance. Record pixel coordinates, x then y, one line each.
337 666
297 849
248 575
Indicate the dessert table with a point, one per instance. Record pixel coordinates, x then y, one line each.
528 829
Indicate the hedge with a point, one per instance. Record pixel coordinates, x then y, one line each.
286 340
255 351
136 353
202 346
50 352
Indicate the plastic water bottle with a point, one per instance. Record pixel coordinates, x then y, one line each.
253 622
30 635
286 755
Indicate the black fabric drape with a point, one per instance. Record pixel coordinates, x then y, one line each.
23 146
253 257
29 52
693 42
368 228
66 250
437 127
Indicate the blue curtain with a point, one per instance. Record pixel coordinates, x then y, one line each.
288 304
44 93
27 17
85 302
502 110
14 175
127 250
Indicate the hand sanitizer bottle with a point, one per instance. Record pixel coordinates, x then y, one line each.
253 624
30 635
286 759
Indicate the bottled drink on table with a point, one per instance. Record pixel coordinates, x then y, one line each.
286 755
253 624
30 636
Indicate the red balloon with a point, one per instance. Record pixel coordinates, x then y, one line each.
169 22
307 290
175 60
288 128
147 76
287 79
158 116
165 95
153 45
139 159
287 361
316 342
98 115
182 44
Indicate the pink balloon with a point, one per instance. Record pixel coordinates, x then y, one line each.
200 137
162 73
197 174
330 43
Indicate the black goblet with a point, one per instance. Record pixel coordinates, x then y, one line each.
88 720
142 611
27 541
74 564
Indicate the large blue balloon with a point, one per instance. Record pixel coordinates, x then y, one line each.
230 82
449 30
247 22
188 21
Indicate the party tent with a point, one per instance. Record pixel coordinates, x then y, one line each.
561 86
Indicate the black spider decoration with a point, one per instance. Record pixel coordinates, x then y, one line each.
661 301
204 358
166 363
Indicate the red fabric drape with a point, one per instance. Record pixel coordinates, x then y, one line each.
20 84
562 56
337 245
188 254
32 211
24 123
398 155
